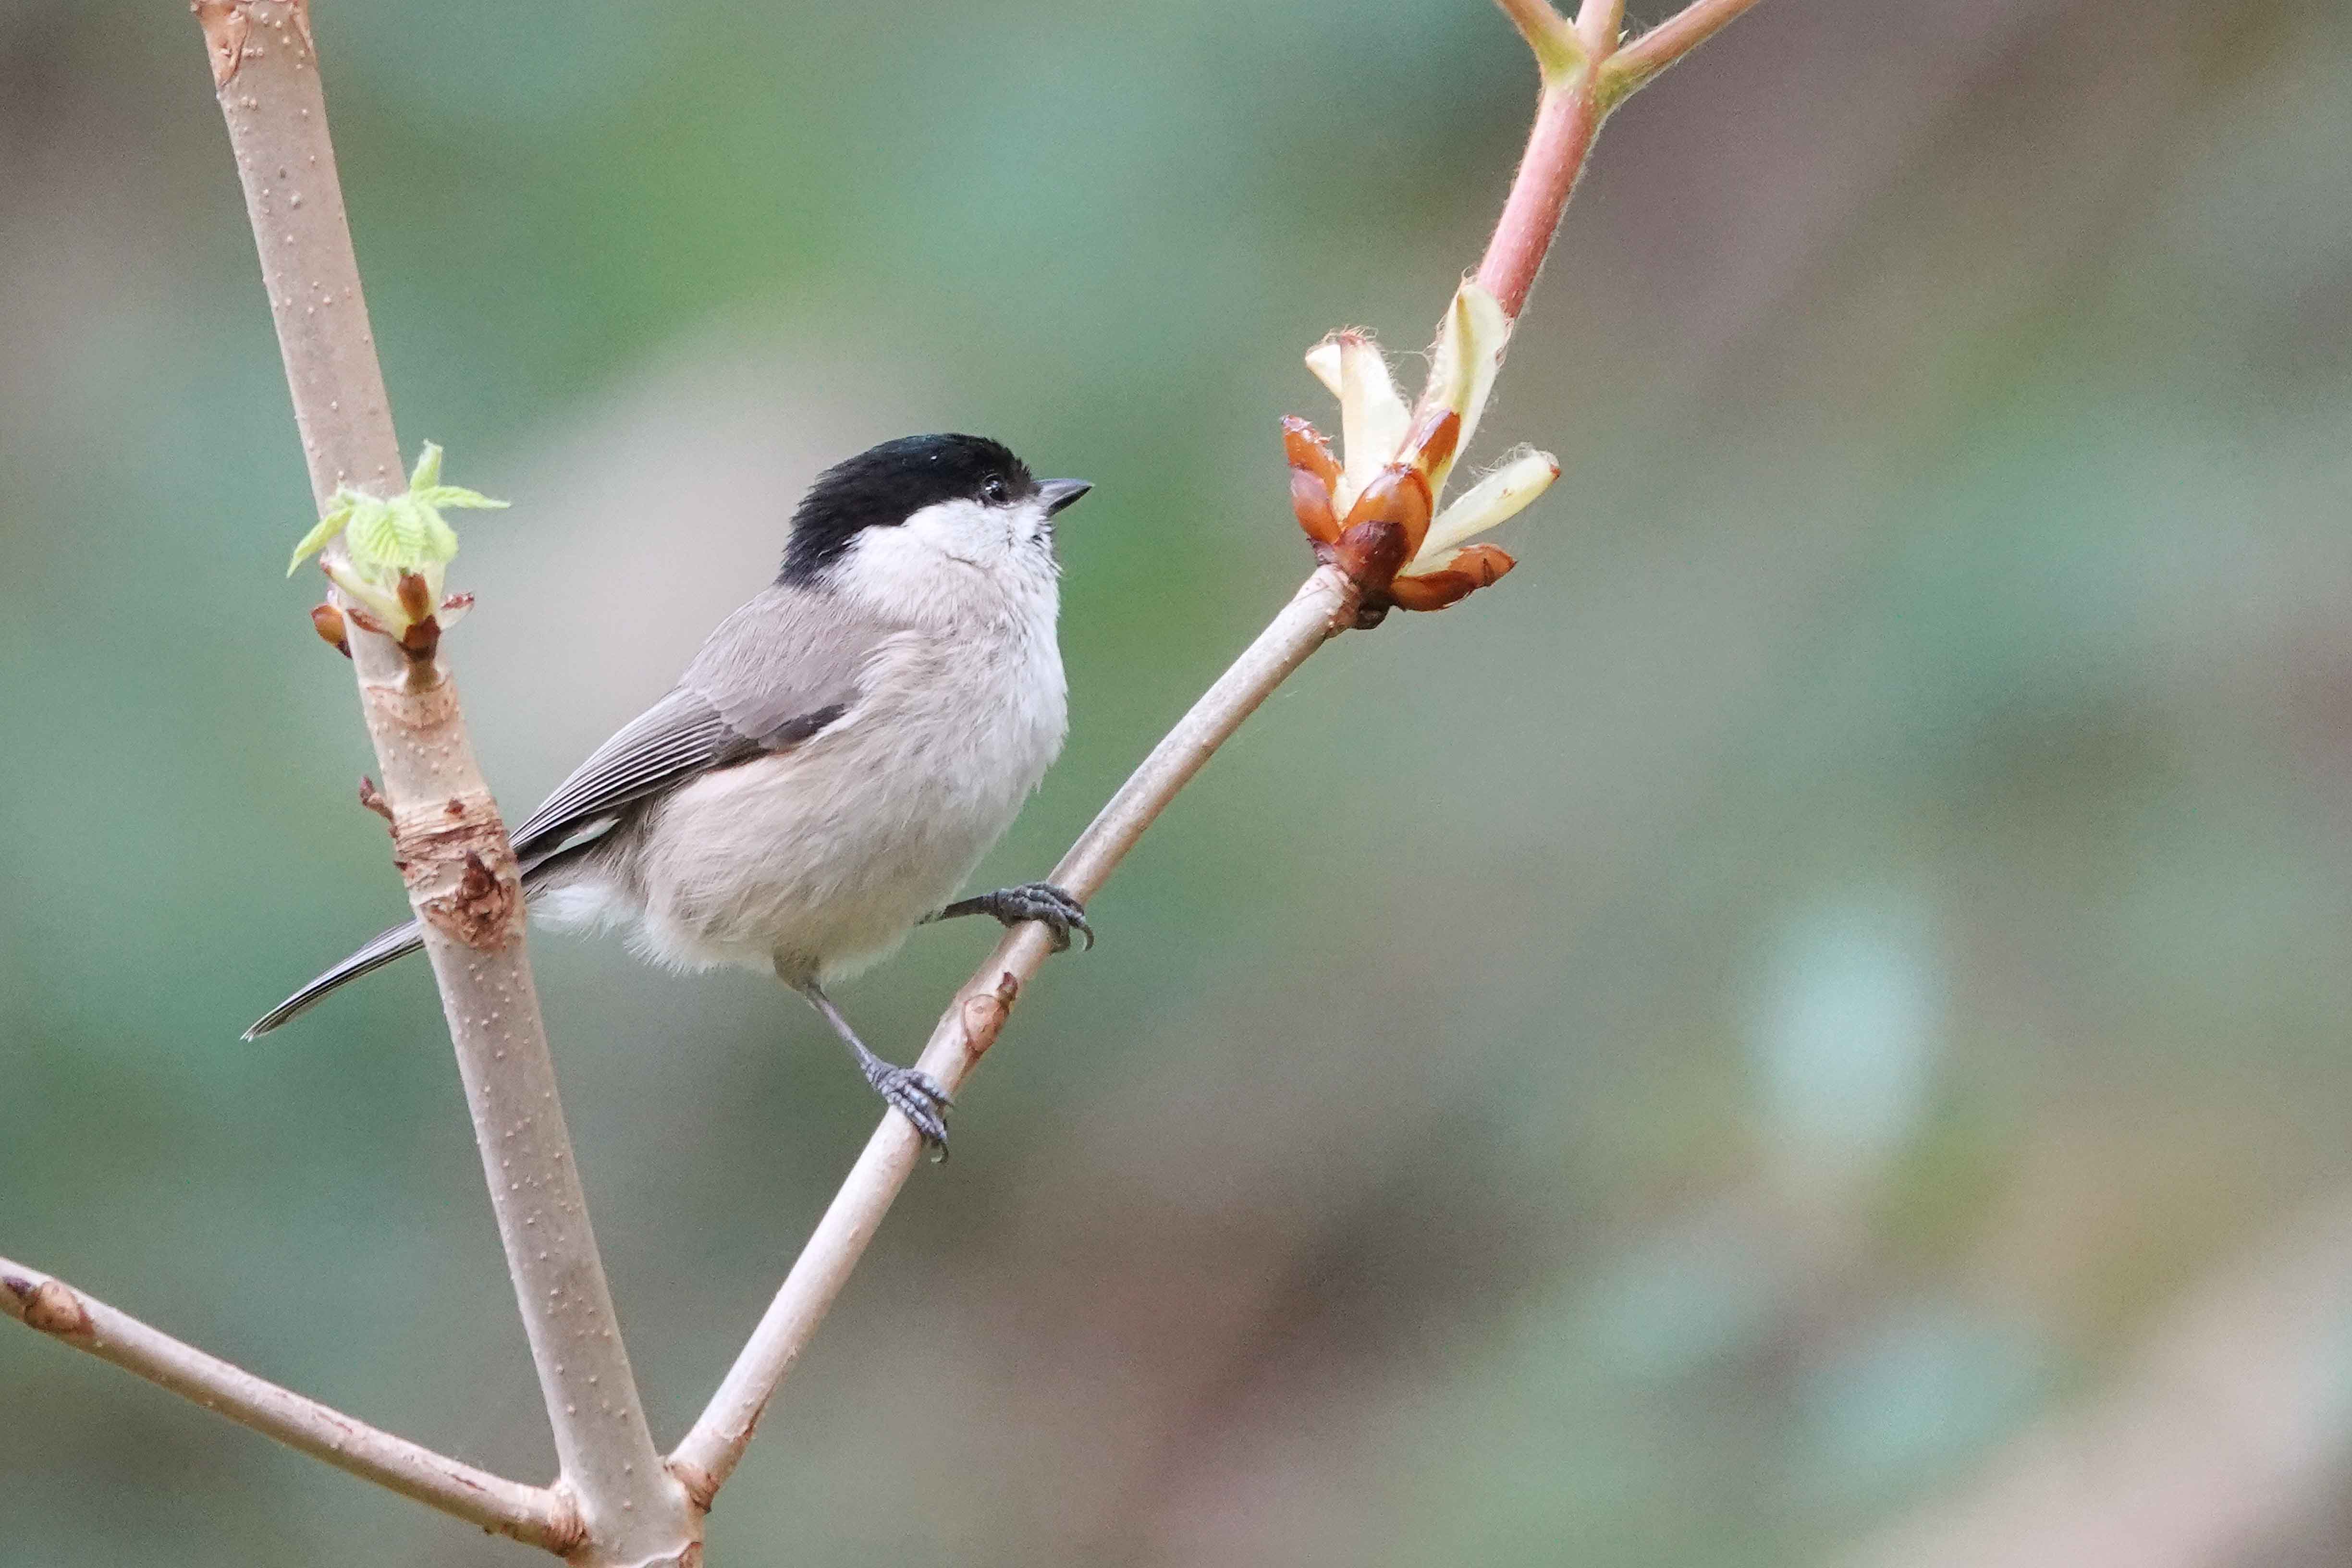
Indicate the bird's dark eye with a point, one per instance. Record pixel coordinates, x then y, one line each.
992 490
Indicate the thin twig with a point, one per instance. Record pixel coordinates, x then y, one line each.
1567 117
1558 50
1598 23
1584 78
537 1515
708 1454
448 839
1574 103
1669 41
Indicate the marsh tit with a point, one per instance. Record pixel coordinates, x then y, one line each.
838 756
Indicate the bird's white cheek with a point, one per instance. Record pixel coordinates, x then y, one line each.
958 530
911 574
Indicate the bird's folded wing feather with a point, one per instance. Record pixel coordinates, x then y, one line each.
778 670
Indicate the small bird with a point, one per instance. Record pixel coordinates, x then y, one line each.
838 756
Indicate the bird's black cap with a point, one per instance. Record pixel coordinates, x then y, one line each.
885 485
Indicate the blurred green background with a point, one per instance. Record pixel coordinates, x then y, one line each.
1715 1052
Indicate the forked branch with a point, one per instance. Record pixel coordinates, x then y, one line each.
1573 58
1586 72
617 1504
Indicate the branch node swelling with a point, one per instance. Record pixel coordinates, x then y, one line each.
49 1305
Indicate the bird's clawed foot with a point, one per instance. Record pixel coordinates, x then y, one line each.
916 1095
1039 901
920 1098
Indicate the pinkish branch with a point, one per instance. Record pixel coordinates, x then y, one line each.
1669 41
1586 74
1567 117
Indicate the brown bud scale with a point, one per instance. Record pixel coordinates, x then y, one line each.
328 621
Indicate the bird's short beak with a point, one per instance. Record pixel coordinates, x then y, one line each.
1059 493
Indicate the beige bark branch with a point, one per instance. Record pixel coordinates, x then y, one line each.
448 839
537 1515
1325 604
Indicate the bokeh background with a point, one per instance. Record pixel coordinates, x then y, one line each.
1807 1026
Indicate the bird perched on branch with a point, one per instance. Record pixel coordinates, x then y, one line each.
838 756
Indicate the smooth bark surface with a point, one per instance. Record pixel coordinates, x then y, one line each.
448 840
534 1514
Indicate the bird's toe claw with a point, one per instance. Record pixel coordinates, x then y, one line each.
922 1100
1049 905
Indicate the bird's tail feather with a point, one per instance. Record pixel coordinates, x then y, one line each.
398 942
548 871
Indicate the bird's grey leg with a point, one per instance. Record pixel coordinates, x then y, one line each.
1040 901
918 1096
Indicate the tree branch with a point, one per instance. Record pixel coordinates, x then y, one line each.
617 1504
1638 62
1567 116
1598 23
1558 51
448 839
536 1515
1322 607
1585 75
1575 100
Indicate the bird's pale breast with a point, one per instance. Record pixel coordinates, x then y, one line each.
818 860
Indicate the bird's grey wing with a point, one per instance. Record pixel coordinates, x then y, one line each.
678 737
791 652
775 672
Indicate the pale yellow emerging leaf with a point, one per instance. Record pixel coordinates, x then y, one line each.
1463 362
1323 359
1492 500
438 496
382 599
1374 423
1373 418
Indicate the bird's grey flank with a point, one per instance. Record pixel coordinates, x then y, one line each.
838 756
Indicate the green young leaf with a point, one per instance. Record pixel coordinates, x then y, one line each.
316 540
370 536
459 495
440 539
398 534
384 537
